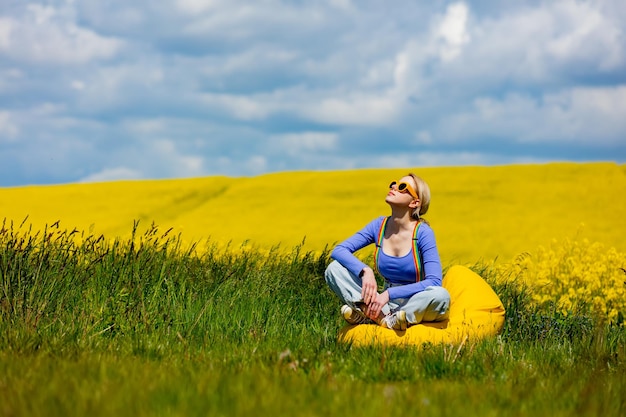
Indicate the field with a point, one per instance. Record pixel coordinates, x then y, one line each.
117 320
478 213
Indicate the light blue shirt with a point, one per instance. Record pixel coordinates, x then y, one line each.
397 270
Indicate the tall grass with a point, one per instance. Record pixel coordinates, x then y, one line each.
146 327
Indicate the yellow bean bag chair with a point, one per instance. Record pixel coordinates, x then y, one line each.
475 312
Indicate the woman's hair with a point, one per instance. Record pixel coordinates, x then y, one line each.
423 192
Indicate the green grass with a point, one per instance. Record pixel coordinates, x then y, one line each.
141 327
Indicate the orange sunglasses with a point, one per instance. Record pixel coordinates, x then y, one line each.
404 187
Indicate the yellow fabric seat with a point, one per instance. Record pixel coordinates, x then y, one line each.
475 312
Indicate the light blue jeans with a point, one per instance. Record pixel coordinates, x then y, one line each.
432 304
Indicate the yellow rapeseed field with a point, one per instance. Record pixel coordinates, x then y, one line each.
479 214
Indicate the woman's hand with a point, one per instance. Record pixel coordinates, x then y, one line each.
373 309
369 287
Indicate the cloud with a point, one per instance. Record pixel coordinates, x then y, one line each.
113 174
432 159
453 31
529 48
589 36
158 158
8 129
296 144
353 109
44 34
6 27
96 89
567 117
193 7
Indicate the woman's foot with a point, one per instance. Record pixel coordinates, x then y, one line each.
396 321
354 316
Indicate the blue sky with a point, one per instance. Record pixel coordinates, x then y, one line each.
94 90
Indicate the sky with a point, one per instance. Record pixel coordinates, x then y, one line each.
94 90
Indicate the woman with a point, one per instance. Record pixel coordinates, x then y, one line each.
406 256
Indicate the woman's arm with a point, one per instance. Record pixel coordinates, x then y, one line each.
344 252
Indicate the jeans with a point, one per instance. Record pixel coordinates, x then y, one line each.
432 304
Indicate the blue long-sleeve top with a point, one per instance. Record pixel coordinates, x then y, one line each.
398 270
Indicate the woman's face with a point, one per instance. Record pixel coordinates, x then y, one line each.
402 191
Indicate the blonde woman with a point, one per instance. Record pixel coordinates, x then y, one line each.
405 256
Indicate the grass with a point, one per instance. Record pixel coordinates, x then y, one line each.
143 327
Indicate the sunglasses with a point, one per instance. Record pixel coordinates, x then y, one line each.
404 187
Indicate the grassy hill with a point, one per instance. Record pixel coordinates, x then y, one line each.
478 213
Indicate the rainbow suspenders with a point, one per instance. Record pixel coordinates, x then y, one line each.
416 252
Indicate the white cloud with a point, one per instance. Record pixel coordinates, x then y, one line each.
423 137
543 44
239 107
118 87
192 87
6 27
345 5
430 159
577 114
8 129
357 109
297 144
145 127
113 174
195 6
570 116
253 60
164 151
586 34
415 160
453 31
248 164
256 164
78 85
153 159
49 35
330 107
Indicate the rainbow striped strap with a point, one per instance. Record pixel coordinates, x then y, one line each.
416 252
379 242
